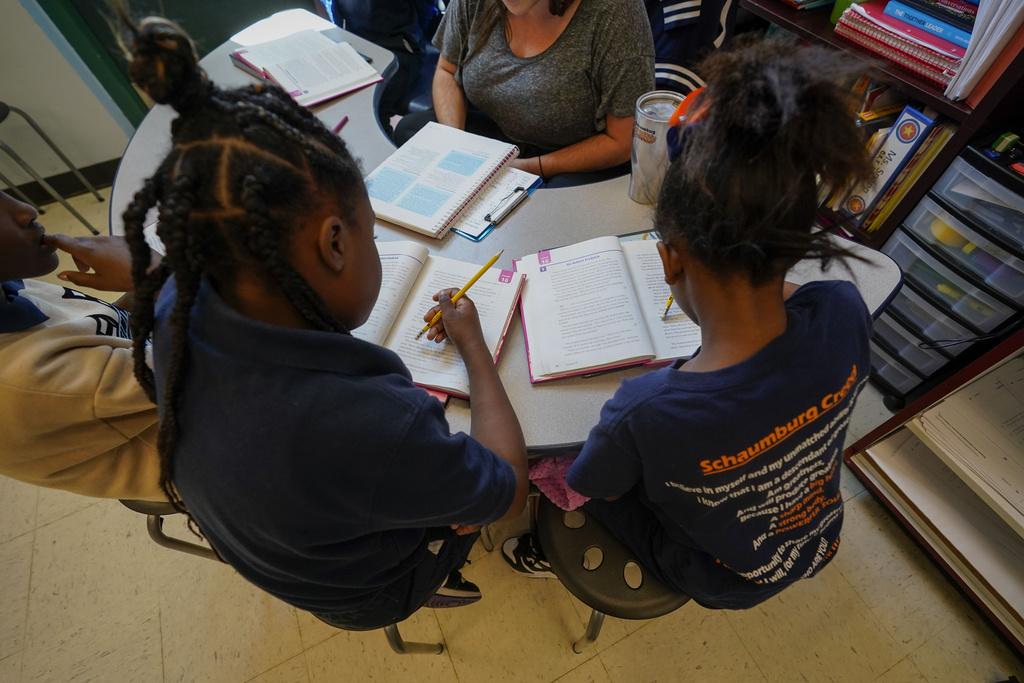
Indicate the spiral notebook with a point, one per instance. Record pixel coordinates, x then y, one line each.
429 182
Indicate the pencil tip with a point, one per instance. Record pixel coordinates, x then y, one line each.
420 334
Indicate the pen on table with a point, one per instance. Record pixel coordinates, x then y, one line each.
668 305
341 124
458 295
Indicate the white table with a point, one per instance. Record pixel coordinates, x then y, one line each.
553 414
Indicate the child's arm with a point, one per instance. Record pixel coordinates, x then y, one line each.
494 422
103 262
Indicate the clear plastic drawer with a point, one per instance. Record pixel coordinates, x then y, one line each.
998 268
963 299
987 201
891 372
925 361
930 322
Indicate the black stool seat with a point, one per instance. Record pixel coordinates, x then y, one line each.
149 507
601 572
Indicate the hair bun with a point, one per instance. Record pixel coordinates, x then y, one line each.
164 63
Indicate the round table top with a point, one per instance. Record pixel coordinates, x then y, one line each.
552 414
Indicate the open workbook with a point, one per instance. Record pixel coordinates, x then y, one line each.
598 305
411 276
441 176
308 65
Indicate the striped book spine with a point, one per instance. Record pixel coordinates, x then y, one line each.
920 60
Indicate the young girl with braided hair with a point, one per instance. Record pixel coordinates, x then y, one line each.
306 456
722 472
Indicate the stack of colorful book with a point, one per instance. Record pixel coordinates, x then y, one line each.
907 36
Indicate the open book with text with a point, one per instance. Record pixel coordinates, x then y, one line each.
598 305
431 182
411 276
308 65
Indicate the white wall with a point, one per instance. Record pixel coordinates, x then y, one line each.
41 75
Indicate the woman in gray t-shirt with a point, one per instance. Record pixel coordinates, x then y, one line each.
560 78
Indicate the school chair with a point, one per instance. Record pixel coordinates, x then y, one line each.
601 572
155 513
5 111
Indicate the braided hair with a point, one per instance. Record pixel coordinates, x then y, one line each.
245 167
773 123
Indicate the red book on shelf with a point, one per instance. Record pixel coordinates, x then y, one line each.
874 12
921 61
1008 54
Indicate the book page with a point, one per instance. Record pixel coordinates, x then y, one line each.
400 264
322 75
508 189
439 365
433 176
675 335
290 47
579 310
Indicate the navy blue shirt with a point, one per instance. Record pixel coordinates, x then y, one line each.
310 460
741 465
18 313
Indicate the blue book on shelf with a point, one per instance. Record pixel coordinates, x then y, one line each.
915 17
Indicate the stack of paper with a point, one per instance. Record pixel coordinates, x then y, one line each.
994 26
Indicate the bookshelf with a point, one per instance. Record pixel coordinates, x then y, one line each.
919 465
1001 103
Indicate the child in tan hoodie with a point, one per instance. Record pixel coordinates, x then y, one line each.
72 415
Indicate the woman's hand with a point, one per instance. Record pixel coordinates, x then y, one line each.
103 262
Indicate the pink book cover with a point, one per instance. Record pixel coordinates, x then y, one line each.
529 366
875 13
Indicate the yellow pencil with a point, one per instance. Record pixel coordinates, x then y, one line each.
458 295
667 307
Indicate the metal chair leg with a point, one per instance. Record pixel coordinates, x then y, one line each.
485 538
46 186
55 148
590 635
403 648
155 526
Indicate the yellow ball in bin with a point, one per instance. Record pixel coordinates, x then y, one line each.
944 233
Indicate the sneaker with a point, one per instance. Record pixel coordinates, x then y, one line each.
526 558
454 592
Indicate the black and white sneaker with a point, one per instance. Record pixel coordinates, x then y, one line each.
454 592
526 558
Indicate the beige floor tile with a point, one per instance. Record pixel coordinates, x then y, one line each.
904 672
218 627
612 630
292 671
967 650
119 643
816 630
55 504
868 413
84 563
904 590
20 501
356 656
15 569
312 630
590 671
10 668
690 644
849 485
522 629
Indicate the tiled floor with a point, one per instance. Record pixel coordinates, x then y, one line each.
86 596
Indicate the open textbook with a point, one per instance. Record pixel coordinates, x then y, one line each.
598 305
439 177
308 65
411 276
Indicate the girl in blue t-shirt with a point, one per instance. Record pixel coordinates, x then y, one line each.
722 472
309 459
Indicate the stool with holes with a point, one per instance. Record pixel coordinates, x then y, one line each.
601 572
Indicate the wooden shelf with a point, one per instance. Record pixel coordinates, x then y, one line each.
813 25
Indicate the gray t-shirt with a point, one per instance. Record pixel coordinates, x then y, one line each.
599 66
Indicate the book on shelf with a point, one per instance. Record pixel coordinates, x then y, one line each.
440 176
994 27
308 65
925 22
906 135
861 27
959 14
598 305
995 71
411 276
914 168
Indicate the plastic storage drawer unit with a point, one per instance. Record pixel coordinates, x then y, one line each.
905 344
964 299
929 322
891 372
984 199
